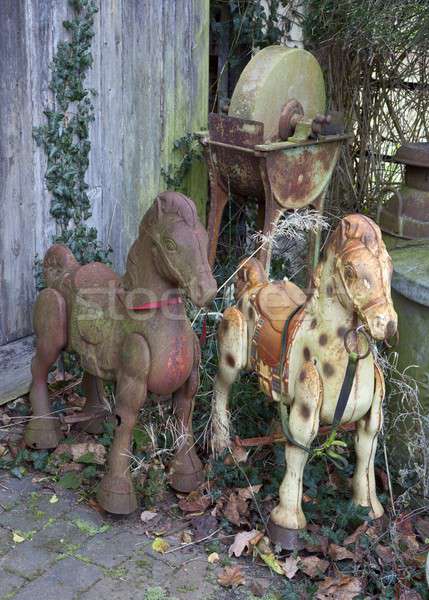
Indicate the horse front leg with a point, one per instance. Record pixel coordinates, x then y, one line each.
116 490
364 491
288 518
186 470
232 352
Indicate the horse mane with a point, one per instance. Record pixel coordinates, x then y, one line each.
170 203
353 231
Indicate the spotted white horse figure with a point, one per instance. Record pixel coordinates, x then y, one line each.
301 348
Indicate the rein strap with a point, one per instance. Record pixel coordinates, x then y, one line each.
158 304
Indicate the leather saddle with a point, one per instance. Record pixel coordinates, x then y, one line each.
274 303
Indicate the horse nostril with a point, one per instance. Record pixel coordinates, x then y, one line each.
390 329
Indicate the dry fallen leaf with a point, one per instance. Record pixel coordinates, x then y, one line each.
385 554
147 515
290 567
213 557
248 493
203 526
339 588
319 542
340 553
271 561
313 566
231 577
92 502
235 509
186 537
194 503
242 541
351 539
411 543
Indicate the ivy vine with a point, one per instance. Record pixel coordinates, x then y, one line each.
65 137
190 151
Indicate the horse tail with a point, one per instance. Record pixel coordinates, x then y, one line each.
57 262
249 273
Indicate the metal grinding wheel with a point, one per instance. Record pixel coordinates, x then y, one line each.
274 78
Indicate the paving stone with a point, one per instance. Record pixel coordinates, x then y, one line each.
21 519
87 514
60 536
65 562
57 509
23 486
114 590
8 496
68 579
27 560
9 583
186 575
111 548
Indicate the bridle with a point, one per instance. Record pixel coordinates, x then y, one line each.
354 356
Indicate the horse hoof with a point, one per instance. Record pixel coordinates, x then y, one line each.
186 482
186 471
287 539
43 434
116 495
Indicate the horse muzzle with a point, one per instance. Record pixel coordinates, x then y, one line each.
383 326
203 291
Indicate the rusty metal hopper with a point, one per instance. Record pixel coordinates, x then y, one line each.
288 167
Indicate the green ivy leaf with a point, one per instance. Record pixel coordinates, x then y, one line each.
71 480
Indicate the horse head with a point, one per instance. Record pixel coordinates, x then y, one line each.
179 246
362 274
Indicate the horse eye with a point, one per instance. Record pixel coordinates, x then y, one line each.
349 272
170 244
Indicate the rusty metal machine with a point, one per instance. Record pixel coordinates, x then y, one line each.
406 214
277 145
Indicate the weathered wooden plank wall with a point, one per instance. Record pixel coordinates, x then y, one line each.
151 76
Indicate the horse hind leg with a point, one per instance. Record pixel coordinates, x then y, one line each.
232 351
96 406
50 325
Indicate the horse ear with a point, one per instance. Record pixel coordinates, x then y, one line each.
157 208
345 228
342 233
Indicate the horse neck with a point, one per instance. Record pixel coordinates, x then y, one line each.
325 306
141 272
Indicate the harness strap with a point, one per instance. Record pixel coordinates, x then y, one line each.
346 388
